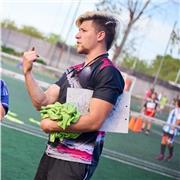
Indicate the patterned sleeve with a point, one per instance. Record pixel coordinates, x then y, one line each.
4 96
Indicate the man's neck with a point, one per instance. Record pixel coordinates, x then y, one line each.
91 56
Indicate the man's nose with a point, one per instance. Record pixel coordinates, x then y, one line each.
77 35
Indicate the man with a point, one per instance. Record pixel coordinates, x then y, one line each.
4 99
74 159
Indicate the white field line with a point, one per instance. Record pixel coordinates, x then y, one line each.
108 154
24 131
108 151
137 166
21 77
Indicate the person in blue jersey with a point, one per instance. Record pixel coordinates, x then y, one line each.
76 159
169 132
4 99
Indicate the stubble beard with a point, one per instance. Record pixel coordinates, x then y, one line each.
82 50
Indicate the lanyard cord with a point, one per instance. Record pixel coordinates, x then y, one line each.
91 62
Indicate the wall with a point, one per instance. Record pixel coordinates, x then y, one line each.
50 53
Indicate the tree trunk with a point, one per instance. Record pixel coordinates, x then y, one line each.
118 49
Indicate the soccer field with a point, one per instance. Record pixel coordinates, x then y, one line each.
125 156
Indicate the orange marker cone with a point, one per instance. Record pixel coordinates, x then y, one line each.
138 125
131 123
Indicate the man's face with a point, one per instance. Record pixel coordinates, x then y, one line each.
86 37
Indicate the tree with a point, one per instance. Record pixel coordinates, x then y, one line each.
168 71
32 31
135 10
169 68
53 38
175 40
9 24
141 65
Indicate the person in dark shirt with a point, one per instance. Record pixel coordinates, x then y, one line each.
72 159
4 99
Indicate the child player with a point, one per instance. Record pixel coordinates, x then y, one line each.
169 132
149 109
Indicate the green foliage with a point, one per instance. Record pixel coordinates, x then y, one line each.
9 24
15 53
53 38
40 61
135 64
141 66
32 31
10 51
169 68
168 71
128 62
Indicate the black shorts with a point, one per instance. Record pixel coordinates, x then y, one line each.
57 169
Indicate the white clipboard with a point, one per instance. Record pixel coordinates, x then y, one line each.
118 119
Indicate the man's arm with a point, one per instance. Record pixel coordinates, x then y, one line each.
38 96
4 105
99 110
3 112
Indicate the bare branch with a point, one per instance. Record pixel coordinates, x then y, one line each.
141 12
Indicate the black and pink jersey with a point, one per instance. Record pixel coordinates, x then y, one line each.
107 84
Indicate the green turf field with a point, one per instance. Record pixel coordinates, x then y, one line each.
21 153
125 156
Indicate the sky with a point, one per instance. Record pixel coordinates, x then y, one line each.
57 16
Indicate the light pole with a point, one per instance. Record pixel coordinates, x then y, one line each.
177 77
67 35
162 60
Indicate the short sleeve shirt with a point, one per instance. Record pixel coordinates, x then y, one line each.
4 96
107 84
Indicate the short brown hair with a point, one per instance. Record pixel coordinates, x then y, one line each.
103 22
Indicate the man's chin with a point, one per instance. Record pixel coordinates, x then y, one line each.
81 51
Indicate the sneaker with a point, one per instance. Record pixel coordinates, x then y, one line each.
147 132
160 157
168 158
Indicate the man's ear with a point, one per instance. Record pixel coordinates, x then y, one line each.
101 35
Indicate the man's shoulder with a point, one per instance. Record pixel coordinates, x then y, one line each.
2 83
4 89
106 63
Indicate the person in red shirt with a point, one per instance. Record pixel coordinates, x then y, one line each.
149 109
149 93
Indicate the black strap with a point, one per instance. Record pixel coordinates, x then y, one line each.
90 63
